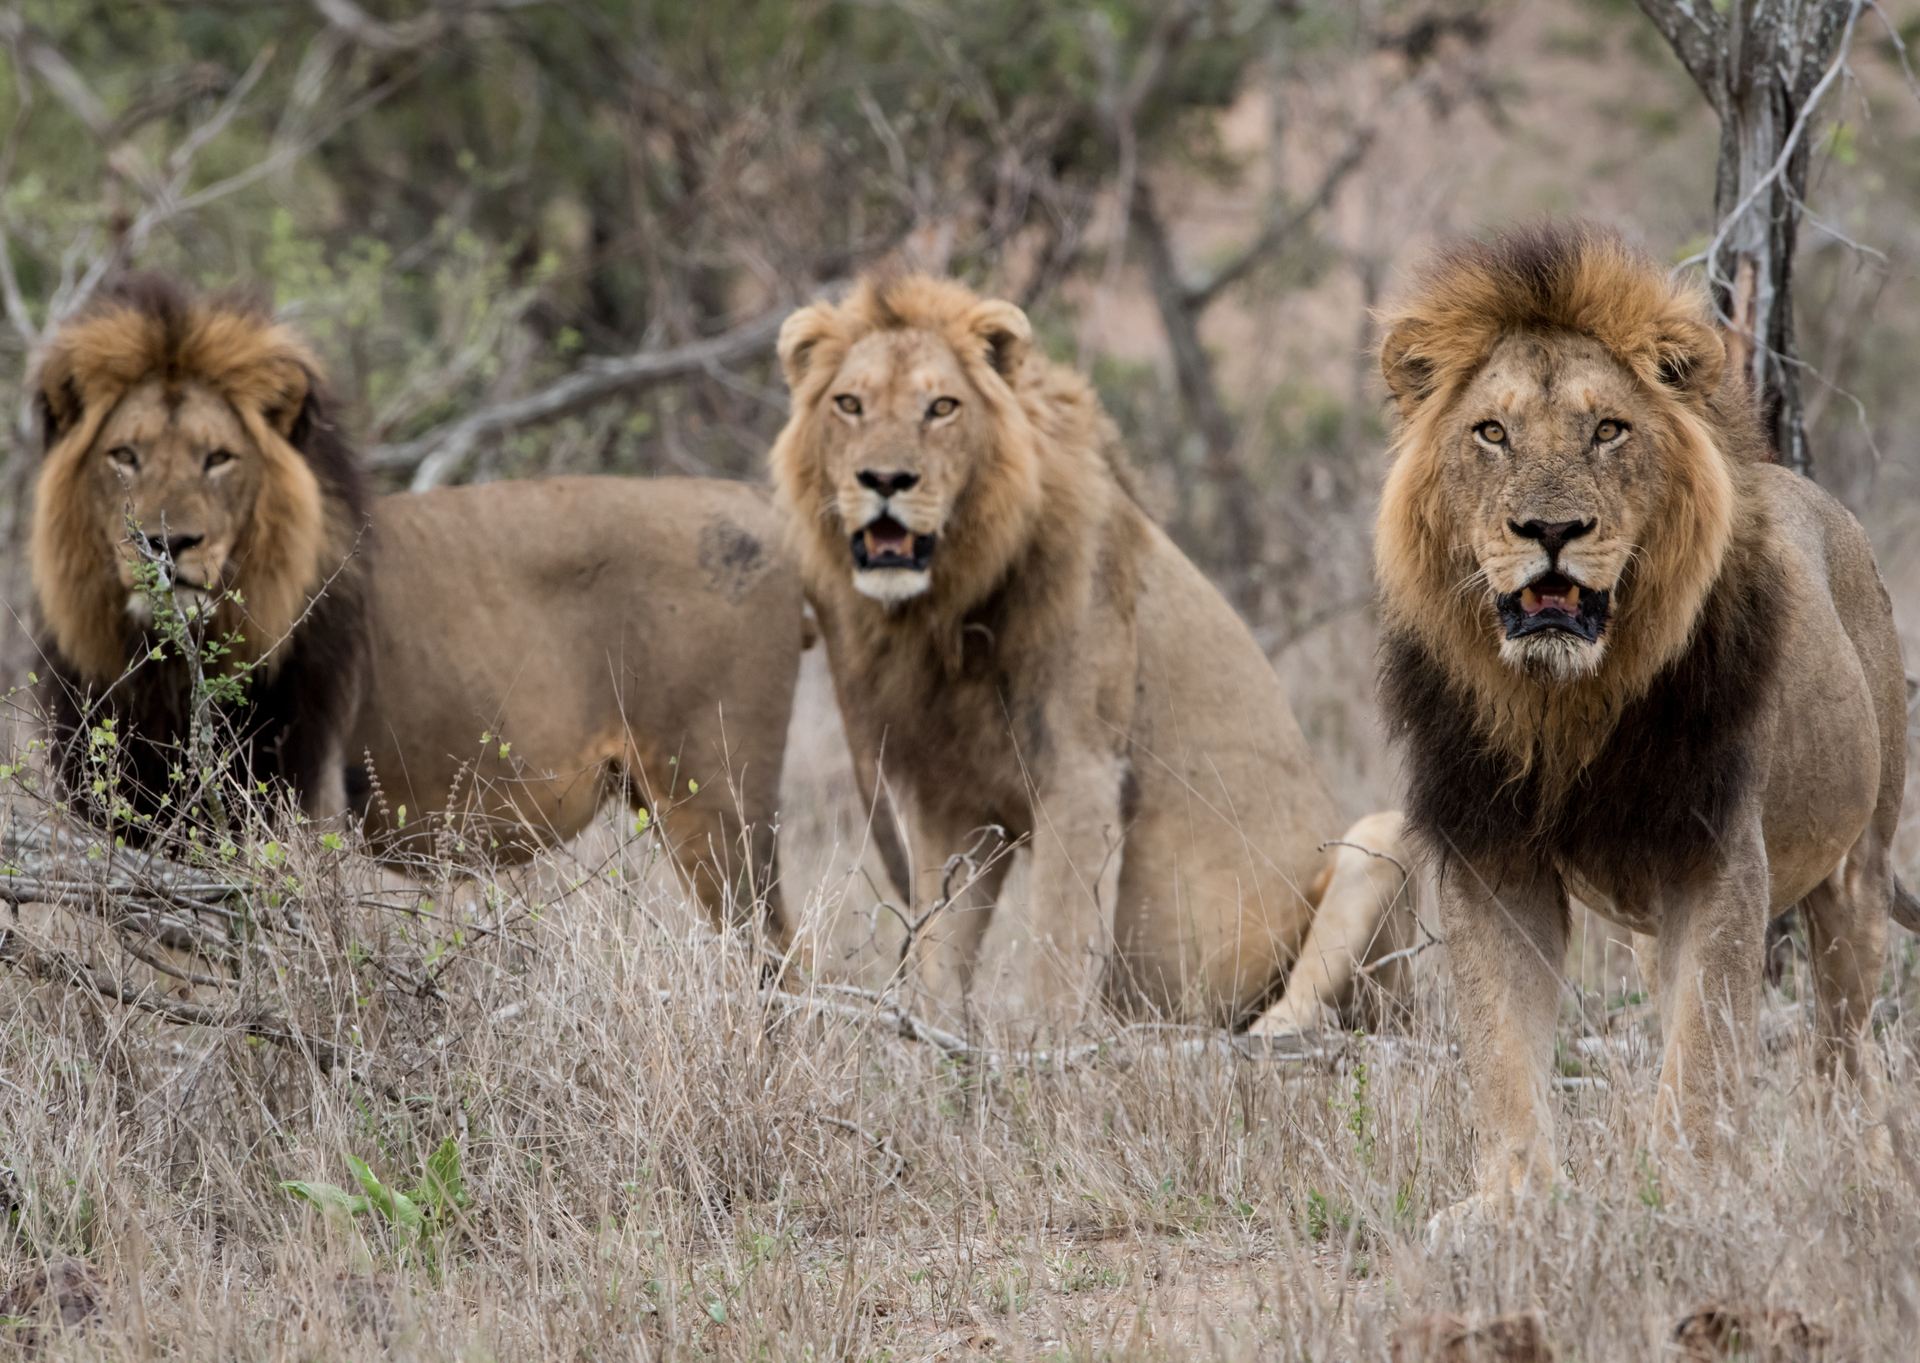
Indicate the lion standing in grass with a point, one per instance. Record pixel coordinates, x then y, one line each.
1630 660
1021 655
475 671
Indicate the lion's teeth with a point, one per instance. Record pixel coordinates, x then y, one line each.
1528 601
1573 597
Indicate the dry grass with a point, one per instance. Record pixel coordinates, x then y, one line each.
665 1163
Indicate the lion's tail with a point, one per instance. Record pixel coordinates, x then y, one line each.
1906 909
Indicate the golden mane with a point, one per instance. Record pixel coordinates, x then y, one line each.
151 329
1565 279
1052 446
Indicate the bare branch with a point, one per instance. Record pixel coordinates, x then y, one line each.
1280 230
17 953
437 454
67 84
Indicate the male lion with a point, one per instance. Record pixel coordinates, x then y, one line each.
1021 654
1631 660
602 635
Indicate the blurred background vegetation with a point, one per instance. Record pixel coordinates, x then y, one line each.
466 202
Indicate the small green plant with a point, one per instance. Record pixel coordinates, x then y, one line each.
423 1218
1359 1117
1325 1216
1651 1195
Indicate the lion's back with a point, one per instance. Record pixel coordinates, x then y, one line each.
565 607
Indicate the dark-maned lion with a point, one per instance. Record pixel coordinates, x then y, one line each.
603 634
1631 660
1020 653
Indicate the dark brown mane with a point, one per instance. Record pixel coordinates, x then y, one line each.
1655 801
302 576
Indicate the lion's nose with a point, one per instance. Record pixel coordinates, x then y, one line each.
172 546
886 484
1553 535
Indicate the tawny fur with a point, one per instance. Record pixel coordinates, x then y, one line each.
630 638
1065 674
265 372
1586 284
1732 744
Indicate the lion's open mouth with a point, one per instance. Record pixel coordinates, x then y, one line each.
885 543
1554 601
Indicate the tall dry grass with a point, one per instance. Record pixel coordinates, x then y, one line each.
665 1162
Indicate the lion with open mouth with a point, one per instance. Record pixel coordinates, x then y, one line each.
1631 660
1022 658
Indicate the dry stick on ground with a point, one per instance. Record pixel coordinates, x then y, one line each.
17 953
874 1007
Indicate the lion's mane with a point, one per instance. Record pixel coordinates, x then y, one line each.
299 622
1657 735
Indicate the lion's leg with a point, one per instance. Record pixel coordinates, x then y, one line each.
1711 950
1506 940
964 861
1847 947
883 819
1365 913
1077 838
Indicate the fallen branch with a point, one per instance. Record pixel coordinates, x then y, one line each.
879 1008
40 864
268 1026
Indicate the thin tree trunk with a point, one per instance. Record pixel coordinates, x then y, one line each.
1237 505
1761 64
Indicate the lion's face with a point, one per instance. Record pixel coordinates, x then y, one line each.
902 421
1553 476
175 476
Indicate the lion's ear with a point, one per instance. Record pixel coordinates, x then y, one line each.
1006 334
800 335
1408 372
1691 359
294 384
60 407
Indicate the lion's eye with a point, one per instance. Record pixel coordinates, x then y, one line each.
940 407
1492 432
848 403
124 456
217 458
1608 431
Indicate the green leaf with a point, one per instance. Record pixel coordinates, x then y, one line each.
443 1186
328 1198
397 1207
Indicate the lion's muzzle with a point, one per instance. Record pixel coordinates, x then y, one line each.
1553 601
890 560
885 543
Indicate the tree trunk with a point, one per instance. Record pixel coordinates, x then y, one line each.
1237 503
1761 64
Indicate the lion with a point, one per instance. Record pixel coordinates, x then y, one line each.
1629 660
483 666
1022 657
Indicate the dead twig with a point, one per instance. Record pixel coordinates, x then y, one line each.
247 1020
